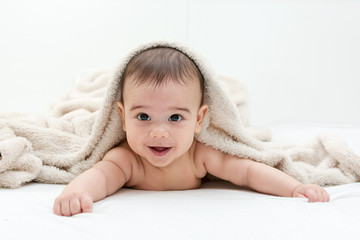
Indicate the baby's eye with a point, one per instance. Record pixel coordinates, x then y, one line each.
143 117
175 118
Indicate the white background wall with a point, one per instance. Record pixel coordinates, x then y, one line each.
299 59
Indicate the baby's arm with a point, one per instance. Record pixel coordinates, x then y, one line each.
260 177
103 179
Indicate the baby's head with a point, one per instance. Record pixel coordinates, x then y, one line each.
161 65
161 104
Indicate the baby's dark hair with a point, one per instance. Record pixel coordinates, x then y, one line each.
161 64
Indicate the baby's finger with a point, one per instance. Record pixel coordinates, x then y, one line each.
57 208
65 208
299 195
75 207
325 196
86 204
312 195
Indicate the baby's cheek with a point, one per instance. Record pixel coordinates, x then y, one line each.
135 146
188 139
132 139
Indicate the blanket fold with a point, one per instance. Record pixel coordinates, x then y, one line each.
84 124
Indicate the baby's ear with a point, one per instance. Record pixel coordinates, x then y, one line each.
122 114
200 118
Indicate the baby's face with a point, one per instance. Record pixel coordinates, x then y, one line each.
160 122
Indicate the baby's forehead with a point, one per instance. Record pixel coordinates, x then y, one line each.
191 82
189 87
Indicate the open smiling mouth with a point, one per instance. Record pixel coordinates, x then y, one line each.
160 151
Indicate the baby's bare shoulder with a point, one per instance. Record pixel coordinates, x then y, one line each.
127 160
202 154
119 153
203 151
124 157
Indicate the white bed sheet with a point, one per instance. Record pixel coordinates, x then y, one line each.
215 211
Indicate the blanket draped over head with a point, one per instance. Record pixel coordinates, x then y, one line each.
83 125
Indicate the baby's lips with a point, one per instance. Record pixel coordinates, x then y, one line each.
160 149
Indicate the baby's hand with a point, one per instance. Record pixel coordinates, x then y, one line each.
71 203
312 192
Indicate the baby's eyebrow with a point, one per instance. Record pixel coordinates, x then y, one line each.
137 107
184 109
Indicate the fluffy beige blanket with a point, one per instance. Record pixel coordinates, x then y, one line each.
83 125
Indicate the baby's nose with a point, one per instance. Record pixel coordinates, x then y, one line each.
159 133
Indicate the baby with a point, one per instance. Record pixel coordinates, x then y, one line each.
162 109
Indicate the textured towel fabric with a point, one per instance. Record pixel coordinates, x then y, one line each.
83 125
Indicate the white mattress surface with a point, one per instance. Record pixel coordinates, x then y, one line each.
215 211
